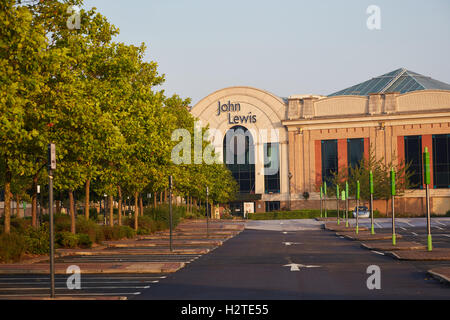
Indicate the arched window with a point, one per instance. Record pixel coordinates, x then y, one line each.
239 156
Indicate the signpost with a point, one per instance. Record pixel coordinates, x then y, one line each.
170 211
427 182
393 193
357 206
207 213
51 168
371 201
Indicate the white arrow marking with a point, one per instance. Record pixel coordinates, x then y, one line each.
290 243
297 267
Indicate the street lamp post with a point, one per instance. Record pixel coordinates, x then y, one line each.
207 213
170 210
104 210
39 203
51 168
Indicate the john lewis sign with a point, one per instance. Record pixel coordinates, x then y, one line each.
230 109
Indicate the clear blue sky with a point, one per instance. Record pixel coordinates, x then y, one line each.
283 46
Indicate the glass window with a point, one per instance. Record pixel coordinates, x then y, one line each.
329 160
413 155
238 153
355 151
273 206
441 160
271 168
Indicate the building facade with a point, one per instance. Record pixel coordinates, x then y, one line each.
291 145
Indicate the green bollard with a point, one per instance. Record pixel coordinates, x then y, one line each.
346 204
427 182
393 193
321 201
371 201
357 205
337 203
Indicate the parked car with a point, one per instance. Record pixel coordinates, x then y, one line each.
363 212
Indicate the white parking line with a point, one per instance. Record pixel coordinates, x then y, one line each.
414 234
404 229
380 253
65 288
72 294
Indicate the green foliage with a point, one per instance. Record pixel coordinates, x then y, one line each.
12 247
91 229
381 175
37 240
66 240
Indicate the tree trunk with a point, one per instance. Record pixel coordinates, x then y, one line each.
34 202
160 198
120 206
72 212
86 199
141 204
136 211
7 205
111 211
154 200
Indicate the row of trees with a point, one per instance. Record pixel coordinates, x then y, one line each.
97 100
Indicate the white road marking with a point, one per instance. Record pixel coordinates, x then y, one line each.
439 228
378 252
404 229
297 267
65 288
414 234
438 222
291 243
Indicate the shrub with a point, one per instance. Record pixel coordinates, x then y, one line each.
92 229
66 240
37 240
12 247
84 241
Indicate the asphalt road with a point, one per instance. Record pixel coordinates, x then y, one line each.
252 266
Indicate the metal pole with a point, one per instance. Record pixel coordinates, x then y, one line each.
429 239
52 236
51 167
325 198
170 210
207 213
357 206
371 201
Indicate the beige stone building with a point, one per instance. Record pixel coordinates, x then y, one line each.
293 144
